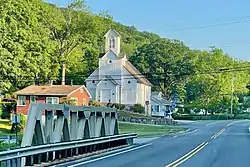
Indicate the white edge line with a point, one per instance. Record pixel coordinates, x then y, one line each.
104 157
85 158
185 133
210 123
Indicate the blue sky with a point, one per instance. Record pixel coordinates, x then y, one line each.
182 19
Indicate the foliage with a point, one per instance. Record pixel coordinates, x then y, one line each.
38 41
68 101
138 108
6 109
5 146
95 103
20 126
201 117
24 46
118 106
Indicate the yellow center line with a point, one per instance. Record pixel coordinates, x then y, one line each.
193 151
188 155
217 134
192 154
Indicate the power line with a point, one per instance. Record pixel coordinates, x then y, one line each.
217 71
241 20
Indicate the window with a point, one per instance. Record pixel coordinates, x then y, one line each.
75 100
21 100
52 100
81 90
33 99
157 108
84 102
93 81
129 82
110 61
112 43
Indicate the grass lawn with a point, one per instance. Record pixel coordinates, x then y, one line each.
149 130
5 127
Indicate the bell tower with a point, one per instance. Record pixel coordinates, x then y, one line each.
112 41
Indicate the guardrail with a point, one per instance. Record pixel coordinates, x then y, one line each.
31 155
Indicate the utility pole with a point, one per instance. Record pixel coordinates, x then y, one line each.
232 94
232 87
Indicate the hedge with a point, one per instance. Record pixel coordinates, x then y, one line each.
200 117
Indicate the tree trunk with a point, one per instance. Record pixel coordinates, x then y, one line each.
63 73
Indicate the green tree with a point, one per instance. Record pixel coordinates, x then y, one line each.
26 52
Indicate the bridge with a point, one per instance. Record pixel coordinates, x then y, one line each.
58 131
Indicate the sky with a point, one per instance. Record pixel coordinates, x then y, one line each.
198 23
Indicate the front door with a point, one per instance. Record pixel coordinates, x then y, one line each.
105 95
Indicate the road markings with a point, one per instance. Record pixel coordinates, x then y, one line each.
211 123
231 123
111 155
234 122
188 155
185 133
218 134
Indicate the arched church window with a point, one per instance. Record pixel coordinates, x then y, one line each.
110 43
113 42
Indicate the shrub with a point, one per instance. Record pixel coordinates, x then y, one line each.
7 108
138 108
95 103
5 146
118 106
200 117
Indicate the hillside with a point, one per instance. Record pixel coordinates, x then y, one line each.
38 39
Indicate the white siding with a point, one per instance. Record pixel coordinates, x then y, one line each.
113 68
129 88
104 86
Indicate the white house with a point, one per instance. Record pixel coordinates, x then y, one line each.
160 106
117 80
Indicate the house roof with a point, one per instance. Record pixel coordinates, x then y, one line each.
160 101
136 74
155 93
56 90
112 80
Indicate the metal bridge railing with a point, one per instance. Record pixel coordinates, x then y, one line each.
50 152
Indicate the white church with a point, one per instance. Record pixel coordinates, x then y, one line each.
117 80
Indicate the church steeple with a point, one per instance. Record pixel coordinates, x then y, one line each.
112 41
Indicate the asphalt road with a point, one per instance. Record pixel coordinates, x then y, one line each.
208 144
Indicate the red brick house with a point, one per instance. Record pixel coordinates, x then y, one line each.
53 94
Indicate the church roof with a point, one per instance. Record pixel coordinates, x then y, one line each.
107 77
136 74
113 31
121 55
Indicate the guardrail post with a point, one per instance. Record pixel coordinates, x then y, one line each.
130 141
8 163
18 162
